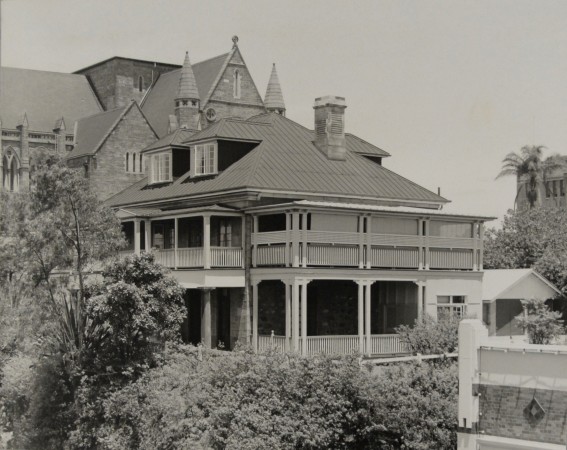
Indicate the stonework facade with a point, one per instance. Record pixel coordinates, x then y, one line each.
106 168
117 81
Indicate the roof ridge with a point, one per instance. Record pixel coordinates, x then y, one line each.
46 71
102 112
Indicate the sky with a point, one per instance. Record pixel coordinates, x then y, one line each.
448 87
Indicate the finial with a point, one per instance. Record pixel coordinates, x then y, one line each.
235 41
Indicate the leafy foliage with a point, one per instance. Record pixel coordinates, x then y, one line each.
242 401
541 324
431 336
417 405
531 239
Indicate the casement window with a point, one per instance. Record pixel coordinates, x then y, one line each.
160 168
452 305
205 159
133 163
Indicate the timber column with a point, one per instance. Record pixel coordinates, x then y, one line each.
206 318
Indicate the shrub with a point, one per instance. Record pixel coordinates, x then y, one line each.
541 324
431 336
416 404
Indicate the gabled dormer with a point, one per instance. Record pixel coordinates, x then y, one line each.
168 158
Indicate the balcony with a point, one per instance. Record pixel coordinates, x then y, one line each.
365 250
191 258
189 241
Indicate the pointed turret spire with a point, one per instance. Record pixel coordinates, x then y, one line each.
187 100
274 101
187 85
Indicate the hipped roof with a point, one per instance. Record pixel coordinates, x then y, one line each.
286 161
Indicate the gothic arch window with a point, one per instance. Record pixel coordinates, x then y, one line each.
127 162
140 83
133 162
237 82
10 172
140 164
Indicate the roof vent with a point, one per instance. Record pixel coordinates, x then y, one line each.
330 126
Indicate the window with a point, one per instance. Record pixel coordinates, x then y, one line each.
561 188
205 159
127 162
160 170
141 168
140 83
236 86
452 305
133 162
554 185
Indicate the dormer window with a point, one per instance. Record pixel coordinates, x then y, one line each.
206 159
160 167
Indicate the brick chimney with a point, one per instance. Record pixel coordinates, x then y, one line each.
330 126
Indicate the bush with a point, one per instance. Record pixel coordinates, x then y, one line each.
243 401
541 324
416 404
431 336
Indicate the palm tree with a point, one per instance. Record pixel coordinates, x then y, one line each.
529 163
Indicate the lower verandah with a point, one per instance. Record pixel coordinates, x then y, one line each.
342 316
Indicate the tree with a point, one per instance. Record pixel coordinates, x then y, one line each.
54 235
535 238
529 163
541 324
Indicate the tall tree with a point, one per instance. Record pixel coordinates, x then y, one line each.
529 164
57 232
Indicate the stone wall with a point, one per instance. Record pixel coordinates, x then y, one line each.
108 173
116 81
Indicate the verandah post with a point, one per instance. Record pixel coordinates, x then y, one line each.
367 299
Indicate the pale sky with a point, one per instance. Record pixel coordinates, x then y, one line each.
447 87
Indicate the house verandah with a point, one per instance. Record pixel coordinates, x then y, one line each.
312 279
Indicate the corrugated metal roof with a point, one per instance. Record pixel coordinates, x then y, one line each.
176 138
495 282
124 213
159 102
380 208
287 161
44 97
359 145
92 131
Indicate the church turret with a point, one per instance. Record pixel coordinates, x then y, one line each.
187 99
273 100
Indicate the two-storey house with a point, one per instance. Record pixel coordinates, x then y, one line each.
299 238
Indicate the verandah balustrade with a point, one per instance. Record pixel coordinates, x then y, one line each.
380 344
341 249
